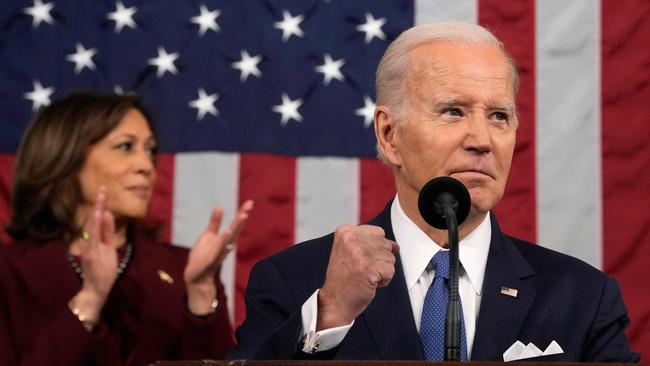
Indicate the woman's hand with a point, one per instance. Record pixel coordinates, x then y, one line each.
98 256
206 256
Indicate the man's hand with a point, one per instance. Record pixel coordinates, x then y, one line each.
361 261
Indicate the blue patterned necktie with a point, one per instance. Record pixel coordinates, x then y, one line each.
434 311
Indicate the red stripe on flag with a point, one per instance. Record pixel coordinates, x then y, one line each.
270 181
6 174
626 158
160 209
377 187
513 22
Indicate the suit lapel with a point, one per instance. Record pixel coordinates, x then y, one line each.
501 316
389 317
161 300
390 321
46 274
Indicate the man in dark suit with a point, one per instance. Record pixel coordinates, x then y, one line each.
445 107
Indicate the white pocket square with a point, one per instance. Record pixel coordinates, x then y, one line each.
519 351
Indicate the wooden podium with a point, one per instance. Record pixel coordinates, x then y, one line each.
369 363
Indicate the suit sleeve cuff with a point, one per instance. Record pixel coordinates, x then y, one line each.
324 340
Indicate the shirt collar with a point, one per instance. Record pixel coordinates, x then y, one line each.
417 249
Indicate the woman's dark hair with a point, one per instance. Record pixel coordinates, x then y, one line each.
46 190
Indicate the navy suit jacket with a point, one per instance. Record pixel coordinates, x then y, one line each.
559 298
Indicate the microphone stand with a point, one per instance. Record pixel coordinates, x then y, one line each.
444 202
452 321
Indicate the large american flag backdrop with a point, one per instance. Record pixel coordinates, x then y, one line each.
273 100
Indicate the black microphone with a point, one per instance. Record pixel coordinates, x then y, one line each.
444 203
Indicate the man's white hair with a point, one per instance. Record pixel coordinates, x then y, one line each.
393 66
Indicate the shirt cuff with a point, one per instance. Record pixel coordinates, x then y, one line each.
324 340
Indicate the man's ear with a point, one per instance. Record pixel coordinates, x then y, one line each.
387 134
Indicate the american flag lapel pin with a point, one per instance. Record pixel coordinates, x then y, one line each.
512 292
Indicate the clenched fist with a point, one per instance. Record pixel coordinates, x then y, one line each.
361 261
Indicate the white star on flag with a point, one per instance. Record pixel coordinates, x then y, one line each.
290 25
40 12
331 69
207 20
117 89
288 109
367 111
82 58
204 104
372 28
247 65
40 96
164 62
122 17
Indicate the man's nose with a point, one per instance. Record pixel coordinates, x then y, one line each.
477 137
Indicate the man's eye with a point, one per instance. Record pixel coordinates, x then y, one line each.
454 112
500 116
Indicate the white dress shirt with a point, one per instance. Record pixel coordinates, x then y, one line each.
416 251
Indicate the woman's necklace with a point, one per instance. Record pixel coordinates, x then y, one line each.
128 250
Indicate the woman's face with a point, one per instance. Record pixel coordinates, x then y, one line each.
123 161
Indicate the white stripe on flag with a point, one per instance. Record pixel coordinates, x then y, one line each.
568 128
203 181
436 10
327 195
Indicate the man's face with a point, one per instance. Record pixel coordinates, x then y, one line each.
461 121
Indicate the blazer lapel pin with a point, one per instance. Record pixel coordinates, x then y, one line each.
512 292
165 277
